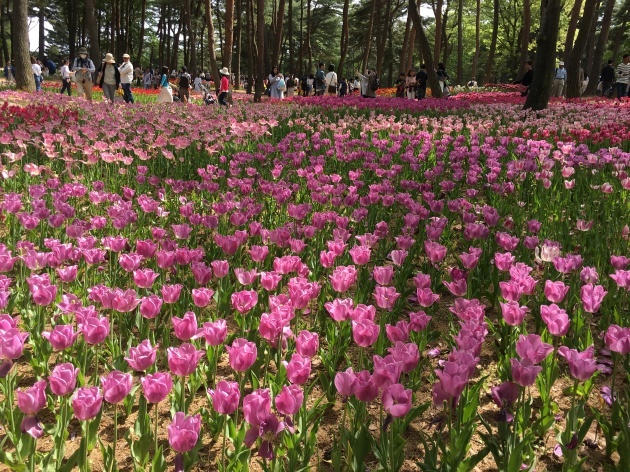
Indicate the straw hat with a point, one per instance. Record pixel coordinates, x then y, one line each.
126 56
109 59
224 71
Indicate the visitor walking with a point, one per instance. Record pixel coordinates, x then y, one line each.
65 78
526 80
197 82
224 88
274 82
343 87
137 75
126 78
183 84
320 80
290 85
608 79
109 77
559 80
410 84
331 81
421 81
37 74
83 68
310 84
623 76
443 79
147 78
166 92
9 73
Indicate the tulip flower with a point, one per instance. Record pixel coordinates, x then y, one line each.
86 403
116 386
581 364
397 400
63 379
182 361
142 356
156 387
225 397
61 337
186 327
242 354
183 432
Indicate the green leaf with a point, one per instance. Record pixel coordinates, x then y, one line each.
159 463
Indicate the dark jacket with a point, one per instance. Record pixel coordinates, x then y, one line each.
116 74
608 74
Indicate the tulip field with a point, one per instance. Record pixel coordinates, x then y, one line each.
318 284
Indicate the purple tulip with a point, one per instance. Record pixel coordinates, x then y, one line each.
63 379
225 397
257 406
61 337
12 343
581 364
555 291
524 372
142 356
298 369
592 297
116 386
289 400
150 306
242 354
156 387
33 399
202 296
366 389
307 343
618 339
397 400
214 332
183 432
86 403
505 394
365 332
346 382
94 329
531 347
186 327
182 361
555 318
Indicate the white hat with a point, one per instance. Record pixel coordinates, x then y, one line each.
109 59
126 56
224 71
561 63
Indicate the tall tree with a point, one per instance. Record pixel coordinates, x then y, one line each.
544 63
92 30
460 43
212 57
24 79
41 17
237 36
602 40
575 58
477 40
191 33
344 36
275 58
493 43
425 48
524 37
437 12
568 42
405 47
143 18
368 43
260 49
229 35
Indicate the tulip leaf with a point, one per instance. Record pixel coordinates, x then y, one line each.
158 464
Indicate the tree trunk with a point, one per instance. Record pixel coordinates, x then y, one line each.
275 59
192 50
402 62
90 24
309 50
525 32
291 44
5 46
575 58
460 43
214 69
621 30
219 28
477 40
237 35
260 49
573 22
42 31
544 62
425 49
410 47
143 16
24 79
344 37
384 33
602 40
493 43
301 56
366 53
590 51
226 58
437 47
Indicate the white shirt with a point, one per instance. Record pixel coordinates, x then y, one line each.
36 70
197 84
65 72
623 73
126 72
331 79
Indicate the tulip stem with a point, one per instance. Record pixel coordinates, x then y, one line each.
84 443
223 447
155 429
183 399
614 374
114 465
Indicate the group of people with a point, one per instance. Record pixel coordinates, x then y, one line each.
618 79
413 86
40 69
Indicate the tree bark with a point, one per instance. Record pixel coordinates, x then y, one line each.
544 62
477 40
90 24
384 33
143 17
425 49
575 16
260 46
291 45
237 35
411 46
620 31
309 50
193 38
214 69
575 58
402 62
226 58
3 34
344 37
41 16
251 33
24 79
366 53
460 43
275 59
437 47
600 49
493 43
525 32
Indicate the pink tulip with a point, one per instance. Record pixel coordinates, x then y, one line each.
43 295
12 343
144 278
116 386
258 253
63 379
340 309
363 313
307 343
226 397
298 369
457 287
555 318
289 400
86 403
214 332
242 354
592 297
506 394
397 400
142 356
186 327
622 278
418 321
183 432
422 281
383 274
202 296
386 297
95 330
130 262
504 261
531 347
33 399
201 272
581 364
589 275
150 306
619 262
270 280
618 339
399 332
171 293
257 406
346 382
555 291
511 290
366 389
365 332
426 297
524 372
342 278
67 274
435 251
407 355
360 255
513 314
156 387
182 361
453 379
61 337
220 268
244 301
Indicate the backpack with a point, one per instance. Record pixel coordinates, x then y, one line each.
374 83
282 86
184 80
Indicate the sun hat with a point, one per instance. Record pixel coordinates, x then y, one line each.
561 63
126 56
224 71
82 50
109 59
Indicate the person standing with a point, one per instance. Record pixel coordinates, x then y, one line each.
623 76
147 78
109 77
166 92
137 74
608 79
83 68
443 79
274 81
126 78
50 65
65 78
559 80
37 74
367 89
421 81
224 88
310 83
197 82
528 77
320 80
184 85
290 85
331 81
9 73
343 87
410 84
